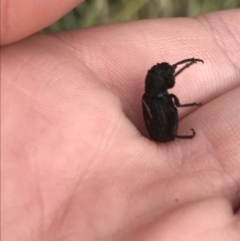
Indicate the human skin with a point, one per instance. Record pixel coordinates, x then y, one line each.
76 163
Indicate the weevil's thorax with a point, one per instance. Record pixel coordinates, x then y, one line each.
159 78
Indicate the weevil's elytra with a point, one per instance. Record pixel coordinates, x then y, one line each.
159 107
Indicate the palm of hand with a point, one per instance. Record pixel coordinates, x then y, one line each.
77 166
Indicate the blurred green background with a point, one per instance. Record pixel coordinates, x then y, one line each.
98 12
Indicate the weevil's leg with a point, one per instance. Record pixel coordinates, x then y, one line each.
187 137
191 62
188 60
177 103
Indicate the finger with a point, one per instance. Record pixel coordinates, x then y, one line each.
120 55
210 219
20 19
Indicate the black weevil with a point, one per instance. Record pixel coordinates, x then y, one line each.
159 111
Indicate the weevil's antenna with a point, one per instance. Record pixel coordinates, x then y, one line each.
192 61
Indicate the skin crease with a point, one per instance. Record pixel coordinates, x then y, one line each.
75 163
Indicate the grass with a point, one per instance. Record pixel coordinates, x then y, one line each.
98 12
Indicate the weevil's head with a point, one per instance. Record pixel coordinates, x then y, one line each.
159 78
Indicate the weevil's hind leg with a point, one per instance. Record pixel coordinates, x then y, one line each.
191 62
187 137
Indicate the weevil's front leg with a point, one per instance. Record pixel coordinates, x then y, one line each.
191 62
177 103
187 137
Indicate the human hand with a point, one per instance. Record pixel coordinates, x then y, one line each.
75 167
